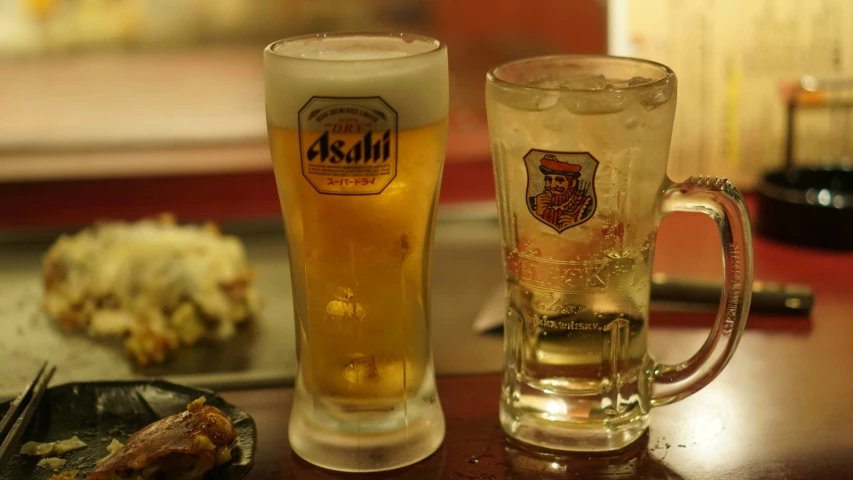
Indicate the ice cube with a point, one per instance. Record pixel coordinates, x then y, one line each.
584 82
594 103
657 96
544 81
620 83
633 82
530 100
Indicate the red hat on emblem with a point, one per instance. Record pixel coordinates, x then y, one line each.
550 165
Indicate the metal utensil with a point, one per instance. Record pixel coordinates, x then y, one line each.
16 419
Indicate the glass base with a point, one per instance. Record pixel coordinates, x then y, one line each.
373 450
532 429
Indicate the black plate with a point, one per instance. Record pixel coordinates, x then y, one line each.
99 411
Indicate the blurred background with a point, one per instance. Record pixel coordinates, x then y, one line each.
101 97
127 108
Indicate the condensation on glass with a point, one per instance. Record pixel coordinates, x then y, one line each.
580 149
357 128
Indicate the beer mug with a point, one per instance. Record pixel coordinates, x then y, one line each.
357 128
580 147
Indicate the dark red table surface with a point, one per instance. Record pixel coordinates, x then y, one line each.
783 408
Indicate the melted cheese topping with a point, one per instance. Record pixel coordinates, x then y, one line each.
160 283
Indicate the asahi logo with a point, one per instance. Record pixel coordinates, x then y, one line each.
348 145
337 151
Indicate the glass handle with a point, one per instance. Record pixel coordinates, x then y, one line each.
720 200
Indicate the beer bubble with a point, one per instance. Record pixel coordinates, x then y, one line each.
405 246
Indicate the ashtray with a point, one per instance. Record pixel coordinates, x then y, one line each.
810 206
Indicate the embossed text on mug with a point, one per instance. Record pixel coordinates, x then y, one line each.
559 275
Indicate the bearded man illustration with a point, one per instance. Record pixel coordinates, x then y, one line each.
564 201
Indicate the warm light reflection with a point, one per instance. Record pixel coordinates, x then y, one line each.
556 407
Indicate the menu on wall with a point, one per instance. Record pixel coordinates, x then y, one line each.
733 59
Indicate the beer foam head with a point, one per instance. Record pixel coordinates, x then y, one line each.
409 72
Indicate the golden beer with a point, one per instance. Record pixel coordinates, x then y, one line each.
363 256
357 129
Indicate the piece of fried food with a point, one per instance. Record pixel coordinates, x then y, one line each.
66 475
52 448
181 447
158 284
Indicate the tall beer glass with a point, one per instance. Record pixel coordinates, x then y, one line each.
357 129
580 148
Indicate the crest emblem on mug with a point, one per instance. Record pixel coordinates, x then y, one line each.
561 187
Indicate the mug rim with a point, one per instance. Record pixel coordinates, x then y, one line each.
492 75
437 45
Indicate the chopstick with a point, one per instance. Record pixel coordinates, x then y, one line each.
16 420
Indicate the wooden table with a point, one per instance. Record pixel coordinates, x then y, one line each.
781 410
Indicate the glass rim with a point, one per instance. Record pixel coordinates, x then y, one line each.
438 45
492 75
